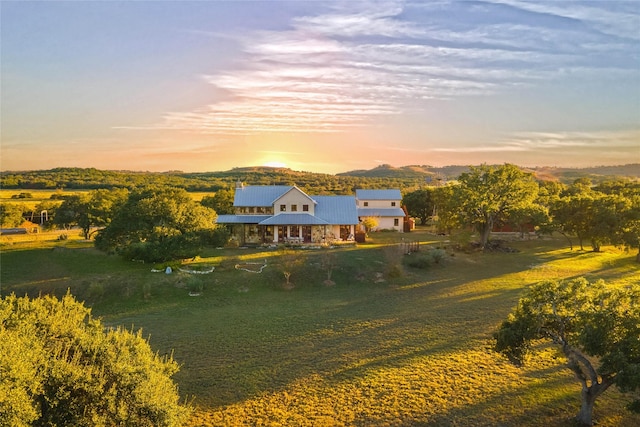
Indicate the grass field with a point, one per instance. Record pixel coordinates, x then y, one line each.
409 349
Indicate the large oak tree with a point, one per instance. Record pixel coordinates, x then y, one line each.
488 194
596 327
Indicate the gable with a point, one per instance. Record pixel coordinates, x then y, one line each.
294 195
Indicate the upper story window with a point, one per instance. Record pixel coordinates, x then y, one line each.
294 208
283 208
366 203
393 203
305 208
251 209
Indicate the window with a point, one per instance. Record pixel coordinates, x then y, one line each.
251 209
366 203
294 208
393 203
283 208
305 208
396 222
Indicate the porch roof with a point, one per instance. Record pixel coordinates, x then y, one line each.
241 219
381 212
293 219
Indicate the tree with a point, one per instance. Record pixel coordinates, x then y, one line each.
290 263
87 211
609 215
533 215
73 211
596 327
157 225
61 366
103 205
420 204
446 207
369 223
488 194
221 202
593 216
630 232
11 215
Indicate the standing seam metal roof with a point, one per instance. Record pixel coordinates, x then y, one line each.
393 194
259 195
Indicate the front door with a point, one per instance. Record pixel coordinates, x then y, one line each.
306 233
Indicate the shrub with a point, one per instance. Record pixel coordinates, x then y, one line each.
218 237
60 366
422 260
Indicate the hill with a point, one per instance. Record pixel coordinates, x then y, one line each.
565 175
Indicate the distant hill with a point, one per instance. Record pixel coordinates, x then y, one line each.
565 175
410 171
596 174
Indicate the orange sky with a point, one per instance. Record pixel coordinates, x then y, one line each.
318 86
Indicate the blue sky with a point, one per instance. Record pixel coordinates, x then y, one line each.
318 86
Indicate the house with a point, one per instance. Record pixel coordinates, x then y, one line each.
274 214
384 206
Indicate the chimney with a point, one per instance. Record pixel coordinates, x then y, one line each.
239 185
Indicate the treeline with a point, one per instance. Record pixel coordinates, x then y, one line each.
490 197
93 179
383 176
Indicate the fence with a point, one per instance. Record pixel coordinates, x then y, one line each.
410 247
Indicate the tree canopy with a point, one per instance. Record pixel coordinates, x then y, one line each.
60 366
157 225
488 194
597 328
420 204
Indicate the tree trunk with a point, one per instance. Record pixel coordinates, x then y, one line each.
585 417
485 232
638 256
569 240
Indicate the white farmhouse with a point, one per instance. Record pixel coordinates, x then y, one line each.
275 214
384 206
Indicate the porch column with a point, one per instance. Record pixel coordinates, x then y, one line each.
275 233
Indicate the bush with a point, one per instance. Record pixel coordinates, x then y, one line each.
166 249
218 237
424 260
60 366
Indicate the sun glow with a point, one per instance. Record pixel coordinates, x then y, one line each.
275 164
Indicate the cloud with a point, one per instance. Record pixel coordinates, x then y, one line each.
620 19
364 61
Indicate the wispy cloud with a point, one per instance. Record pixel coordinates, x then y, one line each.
364 61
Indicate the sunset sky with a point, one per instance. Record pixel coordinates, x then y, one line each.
317 85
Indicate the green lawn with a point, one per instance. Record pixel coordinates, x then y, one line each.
372 350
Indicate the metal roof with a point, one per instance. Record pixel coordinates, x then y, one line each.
393 194
337 210
381 212
241 219
294 219
340 210
259 195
